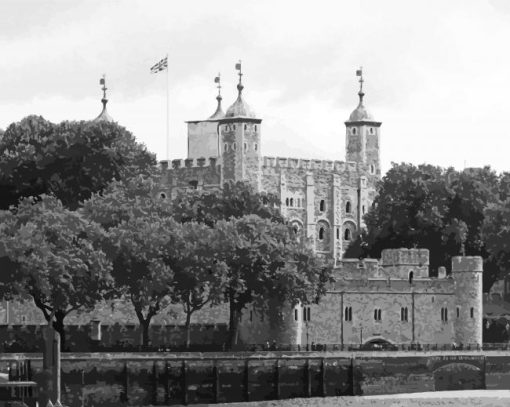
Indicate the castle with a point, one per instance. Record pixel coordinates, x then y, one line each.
390 300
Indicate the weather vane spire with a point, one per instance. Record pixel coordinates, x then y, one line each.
240 86
218 81
102 82
359 72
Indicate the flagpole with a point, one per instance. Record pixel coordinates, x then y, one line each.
167 114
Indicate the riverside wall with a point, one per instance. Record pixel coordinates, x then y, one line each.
113 379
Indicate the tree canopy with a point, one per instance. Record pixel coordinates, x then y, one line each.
443 210
70 160
53 256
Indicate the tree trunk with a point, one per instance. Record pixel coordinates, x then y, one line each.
233 323
58 325
188 329
145 332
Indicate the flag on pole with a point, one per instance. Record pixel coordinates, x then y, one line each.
217 79
359 72
160 66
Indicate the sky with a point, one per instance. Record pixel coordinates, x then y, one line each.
437 73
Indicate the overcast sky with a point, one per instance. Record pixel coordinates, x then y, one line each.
436 72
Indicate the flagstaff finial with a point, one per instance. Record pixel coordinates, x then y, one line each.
103 116
218 81
240 86
359 73
219 112
102 82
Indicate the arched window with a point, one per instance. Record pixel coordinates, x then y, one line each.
348 314
225 147
338 233
354 130
321 233
286 201
377 314
296 229
246 127
472 312
372 169
322 205
411 275
234 146
291 201
347 234
245 146
348 207
255 146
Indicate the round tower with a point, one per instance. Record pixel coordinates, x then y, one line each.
240 141
362 135
467 275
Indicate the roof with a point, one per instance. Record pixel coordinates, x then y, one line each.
240 108
104 116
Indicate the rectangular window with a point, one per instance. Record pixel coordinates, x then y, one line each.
472 311
296 315
308 316
403 314
458 312
348 314
377 314
304 313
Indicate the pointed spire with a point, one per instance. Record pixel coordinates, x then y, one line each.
359 73
240 86
103 116
218 114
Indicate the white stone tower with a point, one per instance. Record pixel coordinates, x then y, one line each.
362 135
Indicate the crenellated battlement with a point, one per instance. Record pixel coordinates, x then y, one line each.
189 163
411 257
286 162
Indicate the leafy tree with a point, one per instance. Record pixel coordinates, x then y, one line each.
141 237
53 256
235 200
435 208
199 277
70 160
264 260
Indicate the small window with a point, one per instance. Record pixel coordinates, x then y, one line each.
472 312
372 169
234 126
296 314
298 202
162 195
291 201
348 207
354 130
193 184
322 205
225 147
363 209
444 314
296 229
458 312
286 201
432 298
348 314
255 127
246 127
404 314
23 319
377 314
347 234
234 146
321 233
245 146
306 314
309 318
255 146
411 275
371 130
338 233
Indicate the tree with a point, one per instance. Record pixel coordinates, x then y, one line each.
199 277
141 236
264 260
70 160
54 257
234 200
435 208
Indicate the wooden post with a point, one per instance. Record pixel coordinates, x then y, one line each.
246 380
155 383
216 383
323 378
184 383
308 379
126 383
56 367
167 383
277 380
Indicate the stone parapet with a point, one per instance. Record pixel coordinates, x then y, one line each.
411 257
467 263
284 162
189 163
